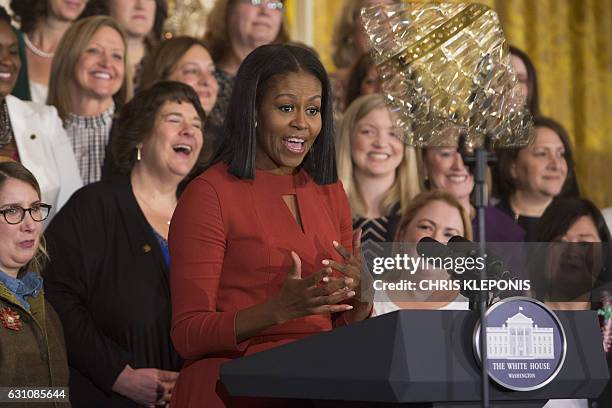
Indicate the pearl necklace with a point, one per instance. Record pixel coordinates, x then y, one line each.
36 51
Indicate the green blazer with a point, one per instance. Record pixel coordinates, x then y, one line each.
35 354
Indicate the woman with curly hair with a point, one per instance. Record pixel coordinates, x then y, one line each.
43 23
110 287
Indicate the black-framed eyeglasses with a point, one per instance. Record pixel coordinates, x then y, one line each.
14 215
272 5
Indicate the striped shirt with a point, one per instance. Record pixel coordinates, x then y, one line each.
89 137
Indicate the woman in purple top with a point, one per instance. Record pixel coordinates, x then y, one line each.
443 168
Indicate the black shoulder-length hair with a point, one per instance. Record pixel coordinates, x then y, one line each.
558 218
563 212
239 136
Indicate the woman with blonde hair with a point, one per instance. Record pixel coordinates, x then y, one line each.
142 21
435 214
90 80
377 169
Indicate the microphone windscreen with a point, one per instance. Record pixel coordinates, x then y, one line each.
433 249
462 245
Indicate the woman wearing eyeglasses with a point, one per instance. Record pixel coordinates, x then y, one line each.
32 351
234 29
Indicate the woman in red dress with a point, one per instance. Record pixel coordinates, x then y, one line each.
261 243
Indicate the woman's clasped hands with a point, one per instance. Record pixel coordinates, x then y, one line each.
322 292
150 387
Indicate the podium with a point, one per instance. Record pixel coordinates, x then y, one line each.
410 357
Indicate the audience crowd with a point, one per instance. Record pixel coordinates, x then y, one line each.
194 200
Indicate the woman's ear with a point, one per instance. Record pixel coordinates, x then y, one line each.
513 170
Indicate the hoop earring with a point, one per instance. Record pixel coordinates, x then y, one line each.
138 153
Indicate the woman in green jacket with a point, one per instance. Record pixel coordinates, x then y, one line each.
32 351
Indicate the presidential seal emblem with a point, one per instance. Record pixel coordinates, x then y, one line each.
526 344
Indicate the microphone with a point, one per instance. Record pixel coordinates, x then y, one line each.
430 248
496 267
495 264
461 244
433 249
459 247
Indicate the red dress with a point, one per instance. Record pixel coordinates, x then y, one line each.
230 243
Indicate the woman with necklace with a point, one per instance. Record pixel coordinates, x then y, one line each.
31 133
43 23
109 272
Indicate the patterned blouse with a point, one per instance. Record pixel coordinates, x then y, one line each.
376 232
89 137
224 94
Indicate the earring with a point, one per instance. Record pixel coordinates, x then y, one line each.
255 123
138 153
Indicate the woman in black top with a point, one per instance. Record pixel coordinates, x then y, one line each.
108 275
377 170
527 179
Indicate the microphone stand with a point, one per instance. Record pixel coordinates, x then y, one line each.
478 161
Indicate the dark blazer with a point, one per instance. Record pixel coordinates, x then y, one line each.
108 281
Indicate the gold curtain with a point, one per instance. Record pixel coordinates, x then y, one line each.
570 43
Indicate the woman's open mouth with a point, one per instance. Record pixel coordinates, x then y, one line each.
295 145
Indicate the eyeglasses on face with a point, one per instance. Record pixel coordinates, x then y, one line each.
272 5
14 215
